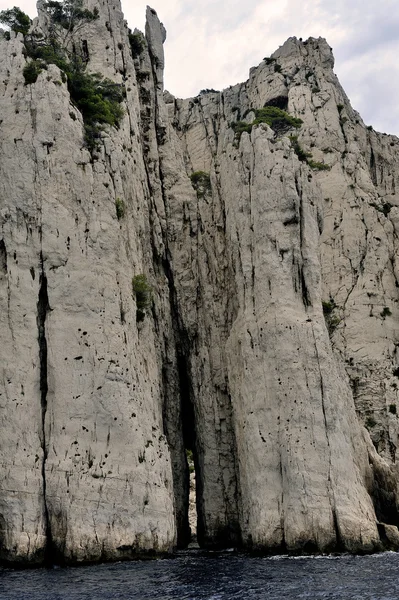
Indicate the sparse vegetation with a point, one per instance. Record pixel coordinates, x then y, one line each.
120 208
307 156
370 422
137 43
68 17
32 70
279 120
299 151
276 118
239 128
318 166
332 320
70 14
201 182
143 294
385 207
392 409
142 76
97 98
386 312
190 461
16 20
332 324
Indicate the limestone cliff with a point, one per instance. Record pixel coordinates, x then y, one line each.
270 346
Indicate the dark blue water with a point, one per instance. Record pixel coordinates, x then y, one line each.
195 576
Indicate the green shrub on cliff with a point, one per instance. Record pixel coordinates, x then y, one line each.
318 166
331 319
70 14
201 182
276 118
299 151
31 71
279 120
120 208
307 156
143 294
137 43
386 312
98 98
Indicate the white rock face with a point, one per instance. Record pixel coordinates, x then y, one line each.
306 473
86 468
235 360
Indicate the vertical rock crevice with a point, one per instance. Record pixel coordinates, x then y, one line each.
43 308
178 415
3 258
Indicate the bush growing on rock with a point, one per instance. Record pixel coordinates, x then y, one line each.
299 151
332 321
279 120
120 208
31 71
307 156
137 43
97 98
318 166
385 208
208 91
201 182
70 14
143 294
68 17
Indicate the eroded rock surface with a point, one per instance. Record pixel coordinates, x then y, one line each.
270 347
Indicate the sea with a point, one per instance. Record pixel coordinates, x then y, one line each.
198 575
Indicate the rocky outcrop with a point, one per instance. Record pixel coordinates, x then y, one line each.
86 471
270 347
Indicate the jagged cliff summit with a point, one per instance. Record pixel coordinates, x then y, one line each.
259 226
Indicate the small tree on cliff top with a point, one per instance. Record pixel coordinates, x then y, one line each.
16 20
69 16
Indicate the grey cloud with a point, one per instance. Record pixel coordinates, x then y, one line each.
368 40
374 94
220 16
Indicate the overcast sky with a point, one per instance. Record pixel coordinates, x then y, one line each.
213 43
